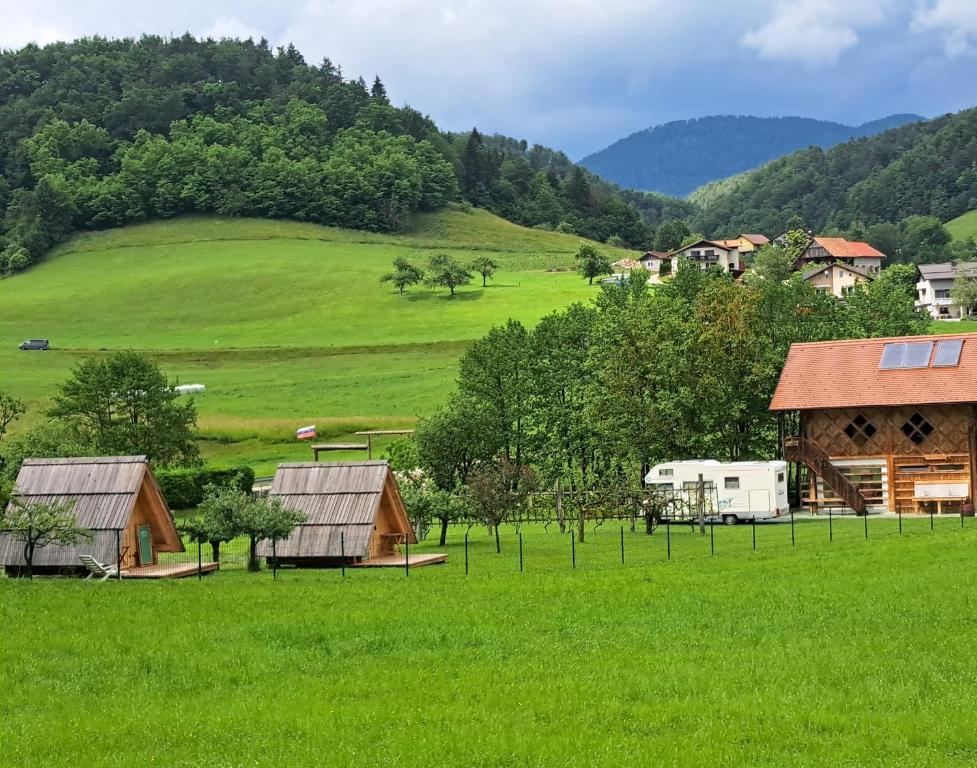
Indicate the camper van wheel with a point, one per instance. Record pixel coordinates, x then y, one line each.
730 520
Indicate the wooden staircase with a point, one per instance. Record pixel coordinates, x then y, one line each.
807 451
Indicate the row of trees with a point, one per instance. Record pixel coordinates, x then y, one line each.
593 395
442 271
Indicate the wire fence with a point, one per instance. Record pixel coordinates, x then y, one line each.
540 546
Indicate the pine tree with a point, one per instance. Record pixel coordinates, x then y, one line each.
378 91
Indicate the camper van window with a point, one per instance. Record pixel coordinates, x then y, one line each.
666 472
780 477
731 483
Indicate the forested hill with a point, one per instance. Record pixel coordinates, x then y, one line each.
678 157
919 169
97 133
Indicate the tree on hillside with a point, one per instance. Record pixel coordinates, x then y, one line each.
404 275
485 266
124 405
378 92
924 239
11 409
772 263
592 263
670 235
443 270
796 242
38 524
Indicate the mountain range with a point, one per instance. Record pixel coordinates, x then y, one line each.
677 158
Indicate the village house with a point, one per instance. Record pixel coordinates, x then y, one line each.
837 278
712 253
886 424
935 283
834 250
654 260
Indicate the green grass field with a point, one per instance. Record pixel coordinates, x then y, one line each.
284 323
847 653
964 226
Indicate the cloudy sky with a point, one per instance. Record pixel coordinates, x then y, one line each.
577 74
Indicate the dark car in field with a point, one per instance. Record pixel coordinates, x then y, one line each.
30 344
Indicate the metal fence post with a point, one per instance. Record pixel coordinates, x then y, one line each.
200 561
118 553
866 523
406 556
712 536
753 526
793 538
466 553
520 551
899 513
622 544
668 538
573 548
342 553
931 518
961 515
831 528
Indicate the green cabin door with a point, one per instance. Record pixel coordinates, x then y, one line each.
145 545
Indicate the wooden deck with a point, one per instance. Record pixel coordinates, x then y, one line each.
168 570
397 561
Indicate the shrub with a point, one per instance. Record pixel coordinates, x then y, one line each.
184 488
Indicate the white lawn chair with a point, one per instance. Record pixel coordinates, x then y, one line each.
97 569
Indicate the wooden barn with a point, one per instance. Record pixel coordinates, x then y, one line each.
885 424
116 498
353 510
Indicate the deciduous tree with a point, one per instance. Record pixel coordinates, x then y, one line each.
38 524
592 263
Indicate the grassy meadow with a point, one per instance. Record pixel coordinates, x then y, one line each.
847 653
963 226
285 323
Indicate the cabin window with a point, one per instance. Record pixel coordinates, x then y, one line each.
917 428
731 483
860 430
668 472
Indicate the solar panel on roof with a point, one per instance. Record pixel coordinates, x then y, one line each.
892 355
918 354
948 353
906 355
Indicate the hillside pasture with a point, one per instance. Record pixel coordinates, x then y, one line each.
847 653
285 323
963 226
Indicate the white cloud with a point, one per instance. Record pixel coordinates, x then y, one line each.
956 20
814 32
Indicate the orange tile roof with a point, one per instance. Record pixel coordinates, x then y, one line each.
846 374
756 239
729 243
846 249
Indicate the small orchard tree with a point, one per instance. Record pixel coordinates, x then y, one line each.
220 513
442 270
592 263
266 518
964 294
426 502
404 275
38 524
11 409
497 490
485 266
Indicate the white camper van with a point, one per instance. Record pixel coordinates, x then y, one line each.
736 491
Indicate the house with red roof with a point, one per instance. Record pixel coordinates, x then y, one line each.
886 424
832 250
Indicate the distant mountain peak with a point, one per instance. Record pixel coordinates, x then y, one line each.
678 157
